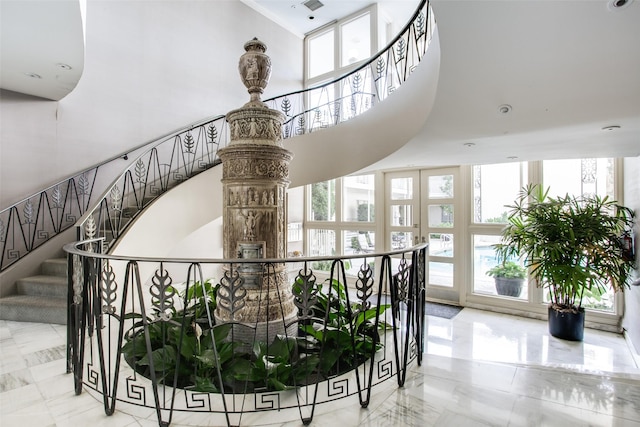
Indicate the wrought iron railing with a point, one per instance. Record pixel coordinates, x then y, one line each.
33 221
143 335
183 154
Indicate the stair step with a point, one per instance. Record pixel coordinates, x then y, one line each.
55 267
27 308
45 286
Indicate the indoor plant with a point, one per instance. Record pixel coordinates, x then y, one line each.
572 246
509 278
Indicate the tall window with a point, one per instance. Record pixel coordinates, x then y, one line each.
355 40
329 50
341 215
358 198
321 53
495 187
579 177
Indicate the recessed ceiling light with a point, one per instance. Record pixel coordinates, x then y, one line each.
63 66
512 157
505 109
611 128
311 17
469 144
33 75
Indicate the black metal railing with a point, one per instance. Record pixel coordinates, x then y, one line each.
33 221
170 160
144 335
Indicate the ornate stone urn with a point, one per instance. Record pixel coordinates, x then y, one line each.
255 69
255 178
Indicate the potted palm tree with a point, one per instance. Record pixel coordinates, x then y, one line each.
509 278
573 248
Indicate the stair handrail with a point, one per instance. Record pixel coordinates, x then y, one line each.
36 219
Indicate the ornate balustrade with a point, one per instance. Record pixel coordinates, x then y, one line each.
143 335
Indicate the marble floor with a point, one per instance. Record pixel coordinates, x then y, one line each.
480 368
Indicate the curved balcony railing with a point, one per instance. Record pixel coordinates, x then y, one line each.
144 337
172 159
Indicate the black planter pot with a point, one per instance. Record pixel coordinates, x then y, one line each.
566 325
509 287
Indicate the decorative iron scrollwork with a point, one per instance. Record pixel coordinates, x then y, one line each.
364 286
108 287
401 282
231 295
305 292
116 198
162 294
77 280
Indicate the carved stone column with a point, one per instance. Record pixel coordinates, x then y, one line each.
255 178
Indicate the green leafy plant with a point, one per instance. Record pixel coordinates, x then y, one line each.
341 324
572 244
508 270
193 347
208 360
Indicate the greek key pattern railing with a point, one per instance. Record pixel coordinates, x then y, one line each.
142 334
105 211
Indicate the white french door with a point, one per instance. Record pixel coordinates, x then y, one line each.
422 206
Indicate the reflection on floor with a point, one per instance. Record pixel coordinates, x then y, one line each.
480 368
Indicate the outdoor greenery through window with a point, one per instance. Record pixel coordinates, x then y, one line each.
358 198
341 219
496 186
323 201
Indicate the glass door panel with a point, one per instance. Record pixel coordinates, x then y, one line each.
438 226
403 209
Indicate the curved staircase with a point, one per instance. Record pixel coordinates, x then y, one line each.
364 136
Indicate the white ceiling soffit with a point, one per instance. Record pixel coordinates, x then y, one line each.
42 46
569 70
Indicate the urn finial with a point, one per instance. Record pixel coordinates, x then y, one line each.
255 69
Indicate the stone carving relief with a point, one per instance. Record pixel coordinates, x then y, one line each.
256 128
252 196
250 220
260 168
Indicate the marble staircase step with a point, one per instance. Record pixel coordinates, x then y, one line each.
45 286
41 298
30 308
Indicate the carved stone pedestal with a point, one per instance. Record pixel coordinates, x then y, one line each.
255 178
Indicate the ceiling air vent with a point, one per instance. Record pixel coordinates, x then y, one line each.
313 4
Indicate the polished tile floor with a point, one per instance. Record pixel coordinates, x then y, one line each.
480 368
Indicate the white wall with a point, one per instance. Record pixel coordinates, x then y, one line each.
150 68
631 321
